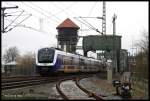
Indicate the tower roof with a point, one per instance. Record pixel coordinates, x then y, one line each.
67 24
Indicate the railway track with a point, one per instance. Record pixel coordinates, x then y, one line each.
18 78
89 95
15 82
22 81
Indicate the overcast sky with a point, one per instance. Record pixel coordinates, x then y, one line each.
132 19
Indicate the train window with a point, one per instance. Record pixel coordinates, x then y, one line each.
46 55
68 60
65 60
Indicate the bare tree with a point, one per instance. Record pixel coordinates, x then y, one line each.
11 54
142 57
143 44
26 63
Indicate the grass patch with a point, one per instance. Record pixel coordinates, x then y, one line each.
139 88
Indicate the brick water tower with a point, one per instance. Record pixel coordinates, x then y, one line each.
67 35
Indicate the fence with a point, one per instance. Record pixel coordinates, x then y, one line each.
20 71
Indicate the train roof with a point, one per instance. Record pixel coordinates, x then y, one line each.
75 55
59 51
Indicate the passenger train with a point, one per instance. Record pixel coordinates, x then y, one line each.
51 60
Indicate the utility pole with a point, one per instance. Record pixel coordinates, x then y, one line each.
2 20
104 19
3 15
114 32
114 24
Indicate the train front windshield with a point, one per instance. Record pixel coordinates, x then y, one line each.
46 55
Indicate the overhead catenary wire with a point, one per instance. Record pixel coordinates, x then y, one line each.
13 12
85 22
19 23
37 11
17 15
34 15
10 4
92 8
68 13
40 13
71 13
88 25
29 27
64 10
93 27
14 20
25 26
46 11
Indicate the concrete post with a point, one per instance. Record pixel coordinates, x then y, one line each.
109 71
65 48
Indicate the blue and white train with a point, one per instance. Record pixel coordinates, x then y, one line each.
51 60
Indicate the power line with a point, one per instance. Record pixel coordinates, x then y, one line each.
92 8
73 13
13 12
88 25
39 17
19 23
37 10
25 26
93 17
2 17
85 23
8 3
14 20
63 10
16 15
46 11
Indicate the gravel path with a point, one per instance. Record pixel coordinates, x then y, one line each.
72 91
43 91
100 87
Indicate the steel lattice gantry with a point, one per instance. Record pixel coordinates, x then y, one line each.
107 43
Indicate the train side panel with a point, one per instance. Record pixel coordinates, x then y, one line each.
71 63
